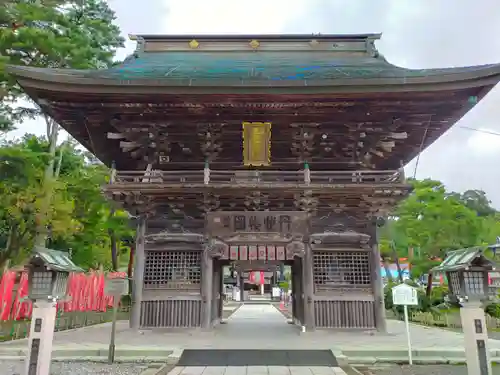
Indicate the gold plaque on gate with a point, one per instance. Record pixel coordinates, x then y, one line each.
256 143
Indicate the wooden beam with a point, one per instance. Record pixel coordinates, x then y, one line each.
116 135
399 136
130 144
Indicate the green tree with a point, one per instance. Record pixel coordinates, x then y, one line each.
76 34
477 201
79 213
56 34
433 221
21 171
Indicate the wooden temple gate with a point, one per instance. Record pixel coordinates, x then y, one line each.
191 142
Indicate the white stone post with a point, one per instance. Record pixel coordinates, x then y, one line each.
41 336
476 339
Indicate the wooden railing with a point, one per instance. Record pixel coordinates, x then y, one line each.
218 177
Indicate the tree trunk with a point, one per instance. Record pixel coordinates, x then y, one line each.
59 162
387 269
114 244
428 290
396 260
398 267
47 187
7 253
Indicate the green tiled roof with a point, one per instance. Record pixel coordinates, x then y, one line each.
260 66
459 259
57 260
252 68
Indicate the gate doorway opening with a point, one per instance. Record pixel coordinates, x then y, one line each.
259 241
255 281
258 274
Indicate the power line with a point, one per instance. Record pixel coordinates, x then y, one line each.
491 132
480 130
421 146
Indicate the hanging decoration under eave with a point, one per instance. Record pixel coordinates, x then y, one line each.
257 144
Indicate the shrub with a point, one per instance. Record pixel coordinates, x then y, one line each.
284 285
437 295
493 309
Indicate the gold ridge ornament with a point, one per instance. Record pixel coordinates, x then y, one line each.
194 44
254 44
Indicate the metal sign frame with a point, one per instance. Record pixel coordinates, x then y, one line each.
404 295
116 287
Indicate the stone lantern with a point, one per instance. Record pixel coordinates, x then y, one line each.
467 273
48 272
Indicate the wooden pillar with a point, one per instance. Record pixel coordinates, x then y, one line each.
215 291
242 286
294 281
282 271
308 284
377 286
221 288
138 276
299 305
206 289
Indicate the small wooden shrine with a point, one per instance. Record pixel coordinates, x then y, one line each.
271 149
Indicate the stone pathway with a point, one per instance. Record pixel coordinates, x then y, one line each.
256 323
257 370
257 326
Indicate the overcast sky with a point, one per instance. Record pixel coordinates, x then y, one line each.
416 34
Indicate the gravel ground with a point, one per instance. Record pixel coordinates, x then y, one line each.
80 368
420 370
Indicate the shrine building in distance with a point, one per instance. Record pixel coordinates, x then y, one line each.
257 150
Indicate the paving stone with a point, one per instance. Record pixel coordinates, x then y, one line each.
193 370
278 370
214 370
322 370
300 370
257 370
176 370
236 370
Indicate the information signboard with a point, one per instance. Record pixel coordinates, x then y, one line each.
116 287
405 295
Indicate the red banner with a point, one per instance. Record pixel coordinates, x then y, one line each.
86 292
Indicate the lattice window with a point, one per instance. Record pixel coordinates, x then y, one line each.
455 283
474 283
172 270
342 269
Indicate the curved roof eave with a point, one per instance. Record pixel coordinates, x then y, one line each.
66 80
